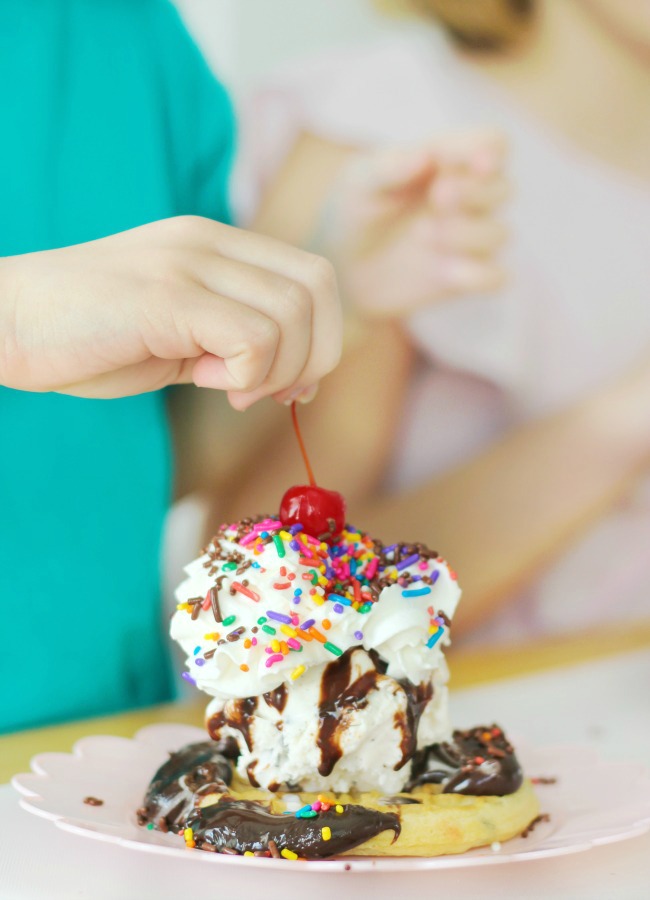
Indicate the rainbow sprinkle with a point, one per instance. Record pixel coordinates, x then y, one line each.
279 617
419 592
433 640
275 657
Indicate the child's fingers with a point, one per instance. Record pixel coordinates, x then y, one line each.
313 294
398 169
313 272
321 341
484 196
464 275
483 151
150 374
286 302
391 171
468 192
475 235
238 344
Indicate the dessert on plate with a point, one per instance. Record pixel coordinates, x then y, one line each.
328 729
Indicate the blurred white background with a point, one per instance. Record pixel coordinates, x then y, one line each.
244 39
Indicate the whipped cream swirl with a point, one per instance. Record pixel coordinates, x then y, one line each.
263 605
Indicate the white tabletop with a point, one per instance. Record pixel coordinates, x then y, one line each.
603 704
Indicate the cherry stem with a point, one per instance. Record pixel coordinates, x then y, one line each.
296 428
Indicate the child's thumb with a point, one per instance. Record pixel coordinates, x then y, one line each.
482 151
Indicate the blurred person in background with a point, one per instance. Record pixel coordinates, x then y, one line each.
111 120
507 426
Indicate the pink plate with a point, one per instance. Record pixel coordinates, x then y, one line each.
592 802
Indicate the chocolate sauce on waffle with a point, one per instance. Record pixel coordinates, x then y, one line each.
242 825
172 803
480 762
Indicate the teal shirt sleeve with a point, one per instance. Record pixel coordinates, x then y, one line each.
202 124
110 119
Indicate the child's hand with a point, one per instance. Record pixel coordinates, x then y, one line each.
180 300
408 227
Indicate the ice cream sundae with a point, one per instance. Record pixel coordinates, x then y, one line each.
322 651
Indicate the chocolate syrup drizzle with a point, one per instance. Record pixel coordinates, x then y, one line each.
339 694
480 762
277 698
242 825
417 697
237 714
179 784
235 826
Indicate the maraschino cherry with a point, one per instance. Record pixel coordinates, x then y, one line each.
320 512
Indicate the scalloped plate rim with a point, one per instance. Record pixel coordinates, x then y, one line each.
83 828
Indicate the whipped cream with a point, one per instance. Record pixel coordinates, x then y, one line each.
264 607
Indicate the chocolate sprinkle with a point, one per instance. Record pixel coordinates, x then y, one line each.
236 634
214 602
399 800
544 817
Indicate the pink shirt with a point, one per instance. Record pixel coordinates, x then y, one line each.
574 316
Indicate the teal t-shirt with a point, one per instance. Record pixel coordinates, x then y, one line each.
109 118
